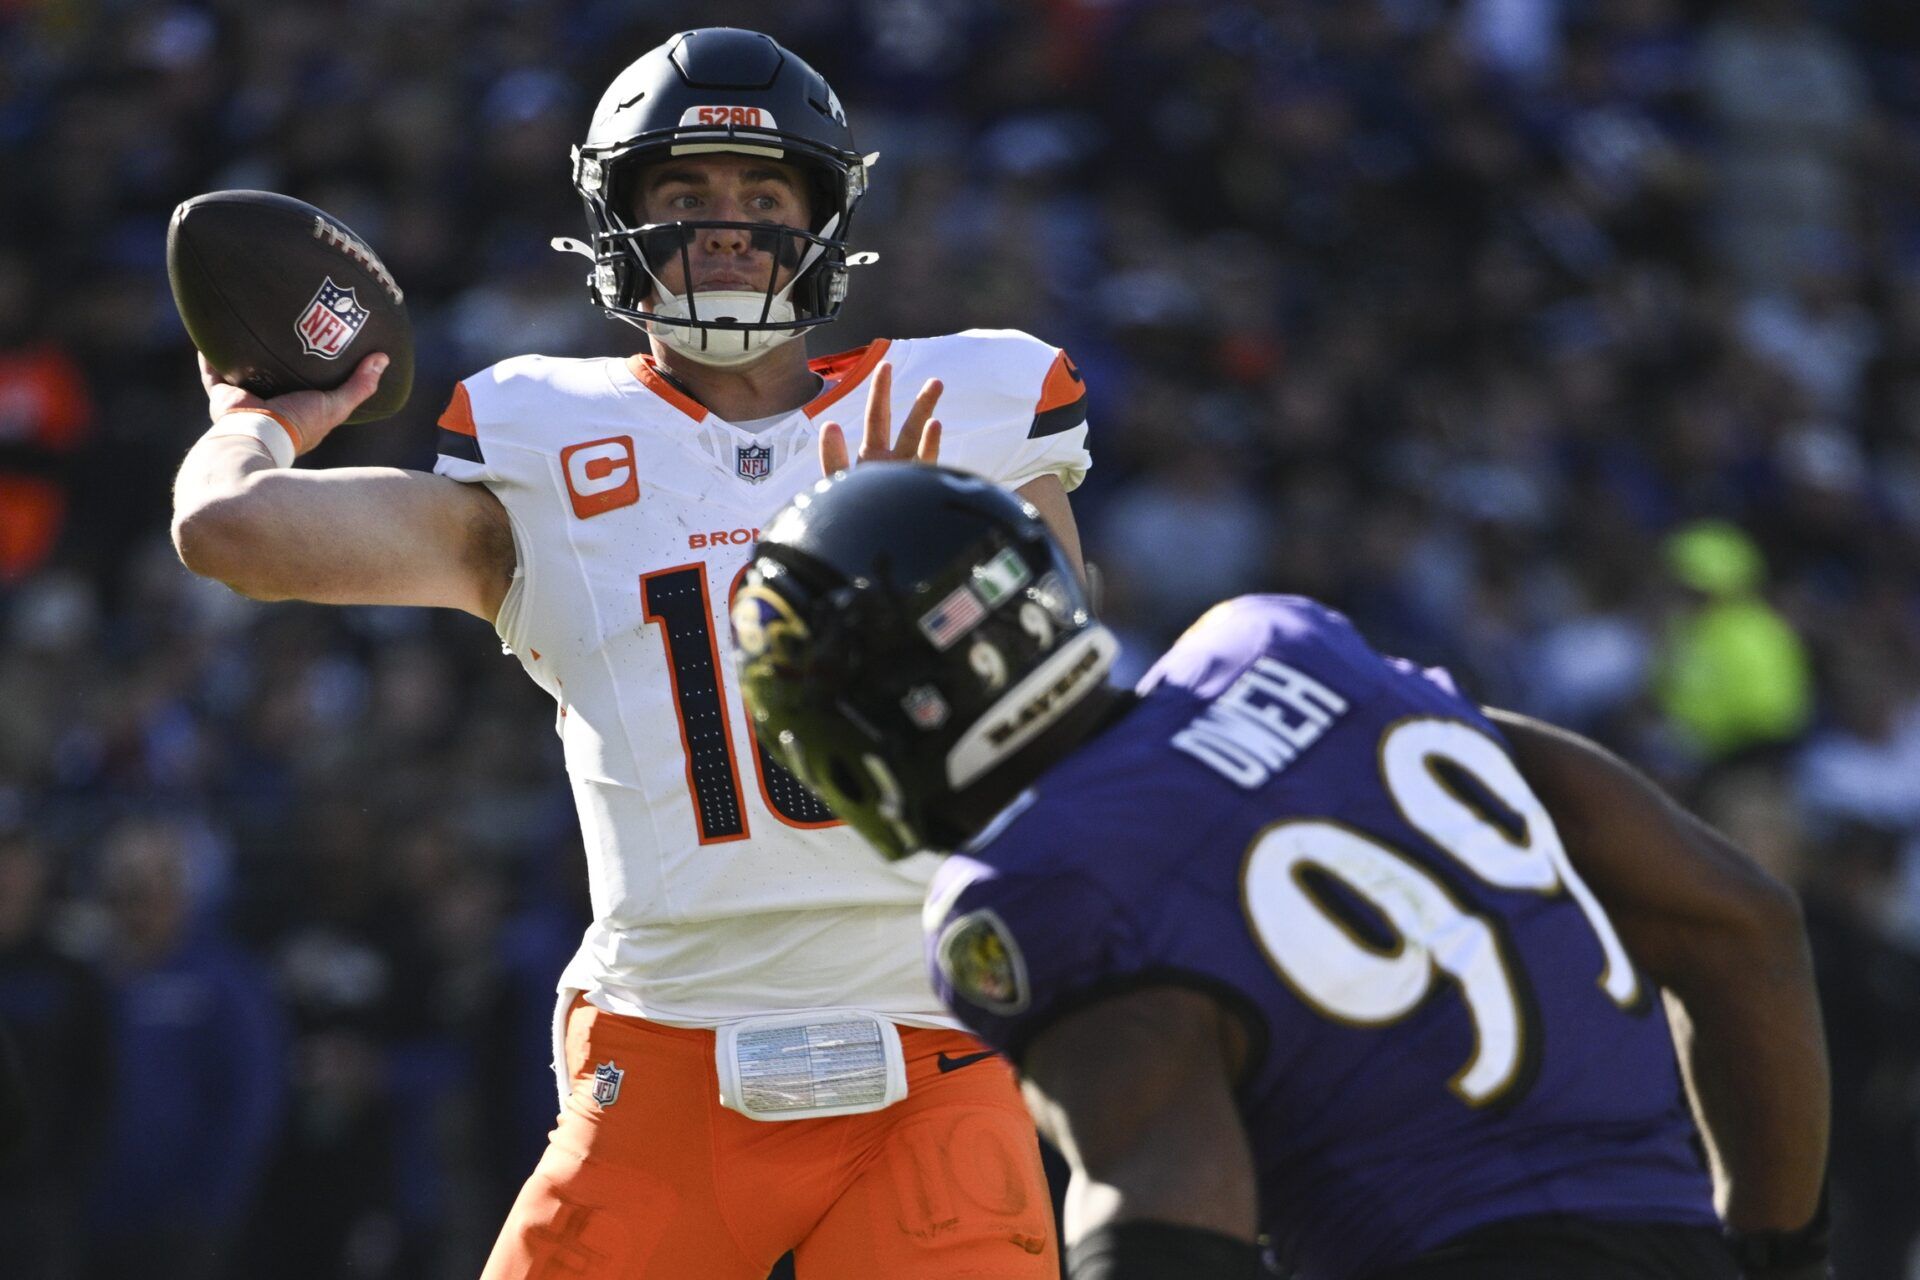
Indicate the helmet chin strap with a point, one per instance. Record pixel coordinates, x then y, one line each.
702 340
708 342
714 343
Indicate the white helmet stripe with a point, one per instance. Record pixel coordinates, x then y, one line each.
1047 692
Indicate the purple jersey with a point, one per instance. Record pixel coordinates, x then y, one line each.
1446 1031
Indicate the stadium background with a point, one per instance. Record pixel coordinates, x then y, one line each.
1574 344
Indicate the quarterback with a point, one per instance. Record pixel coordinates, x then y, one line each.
751 1059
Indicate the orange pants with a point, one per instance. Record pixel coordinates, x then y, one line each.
666 1184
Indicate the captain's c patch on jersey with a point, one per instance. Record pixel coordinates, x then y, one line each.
978 956
601 476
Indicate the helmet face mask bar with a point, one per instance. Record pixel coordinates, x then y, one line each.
719 91
724 325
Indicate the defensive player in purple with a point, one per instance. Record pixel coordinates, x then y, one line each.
1297 942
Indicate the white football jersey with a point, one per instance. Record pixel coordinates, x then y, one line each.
721 887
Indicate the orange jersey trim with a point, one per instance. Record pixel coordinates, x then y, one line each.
457 417
643 369
1063 385
845 371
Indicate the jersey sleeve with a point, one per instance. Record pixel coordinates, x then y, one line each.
1011 952
1035 423
461 455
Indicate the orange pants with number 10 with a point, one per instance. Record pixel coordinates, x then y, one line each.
664 1183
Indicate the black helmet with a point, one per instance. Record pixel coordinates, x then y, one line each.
915 647
718 89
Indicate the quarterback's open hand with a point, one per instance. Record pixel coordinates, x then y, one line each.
312 413
919 436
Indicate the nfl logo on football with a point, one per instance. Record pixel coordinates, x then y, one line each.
606 1084
754 462
330 322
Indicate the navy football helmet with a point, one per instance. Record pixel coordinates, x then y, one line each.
718 89
917 649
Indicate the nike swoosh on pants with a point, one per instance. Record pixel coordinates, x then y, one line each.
964 1060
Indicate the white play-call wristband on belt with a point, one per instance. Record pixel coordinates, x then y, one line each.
801 1066
270 429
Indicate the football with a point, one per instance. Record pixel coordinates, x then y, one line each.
280 296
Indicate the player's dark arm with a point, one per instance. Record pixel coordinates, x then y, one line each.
346 535
1727 943
1137 1093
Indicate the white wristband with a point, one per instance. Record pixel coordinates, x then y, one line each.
254 425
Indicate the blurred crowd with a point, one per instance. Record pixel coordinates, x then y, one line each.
1572 344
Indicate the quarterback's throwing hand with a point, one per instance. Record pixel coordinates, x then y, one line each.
313 414
919 436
